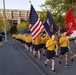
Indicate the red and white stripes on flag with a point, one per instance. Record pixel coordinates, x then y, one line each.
36 29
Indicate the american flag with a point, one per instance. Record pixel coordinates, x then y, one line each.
36 25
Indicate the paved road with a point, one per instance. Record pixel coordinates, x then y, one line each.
13 61
60 68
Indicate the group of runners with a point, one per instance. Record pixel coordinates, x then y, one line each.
51 47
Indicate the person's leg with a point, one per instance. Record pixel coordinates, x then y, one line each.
43 52
34 52
74 56
53 64
53 61
26 47
0 43
43 49
66 60
23 44
39 54
20 42
31 48
56 51
47 60
61 54
48 56
60 58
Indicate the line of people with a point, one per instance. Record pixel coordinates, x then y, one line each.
48 46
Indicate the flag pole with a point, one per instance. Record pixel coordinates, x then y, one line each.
30 4
4 21
29 1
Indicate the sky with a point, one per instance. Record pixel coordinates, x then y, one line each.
21 4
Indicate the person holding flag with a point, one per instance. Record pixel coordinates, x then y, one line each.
50 25
51 44
36 27
37 46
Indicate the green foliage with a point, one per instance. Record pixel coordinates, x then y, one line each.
22 26
8 26
58 9
13 30
43 16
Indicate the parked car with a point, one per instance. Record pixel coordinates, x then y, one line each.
72 36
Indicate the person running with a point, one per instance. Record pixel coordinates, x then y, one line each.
51 45
43 43
29 42
37 46
57 54
0 40
64 46
74 56
14 36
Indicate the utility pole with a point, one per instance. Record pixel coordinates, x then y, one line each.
4 21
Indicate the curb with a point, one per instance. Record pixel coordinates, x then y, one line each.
39 69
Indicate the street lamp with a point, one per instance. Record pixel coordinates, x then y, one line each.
4 21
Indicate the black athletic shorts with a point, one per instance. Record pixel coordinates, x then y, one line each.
37 47
64 50
24 42
29 44
42 45
13 37
50 54
33 46
21 40
18 39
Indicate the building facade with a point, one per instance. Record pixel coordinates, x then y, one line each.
16 16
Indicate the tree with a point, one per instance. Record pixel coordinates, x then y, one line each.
43 16
8 26
58 9
22 26
13 30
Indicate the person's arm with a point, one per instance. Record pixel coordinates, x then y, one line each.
75 41
47 45
69 47
68 44
56 46
60 42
